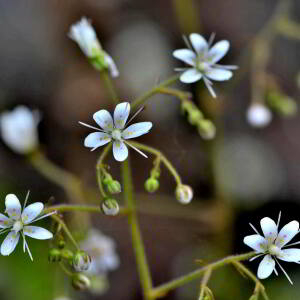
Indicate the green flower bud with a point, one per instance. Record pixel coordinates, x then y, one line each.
61 244
67 254
114 187
54 255
107 179
195 116
80 281
110 207
81 261
184 194
187 106
282 104
206 129
151 185
254 297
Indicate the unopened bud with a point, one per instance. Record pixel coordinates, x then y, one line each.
282 104
114 187
259 115
254 297
80 281
186 106
67 254
107 179
110 207
81 261
195 116
61 244
151 185
206 129
184 194
54 255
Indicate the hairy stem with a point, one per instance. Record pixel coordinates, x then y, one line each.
137 241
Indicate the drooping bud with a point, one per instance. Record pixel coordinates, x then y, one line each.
80 281
259 115
67 254
282 104
110 207
54 255
61 244
151 185
206 129
81 261
184 194
114 187
195 116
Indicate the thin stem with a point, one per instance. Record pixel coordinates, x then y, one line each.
99 169
137 241
66 230
162 158
81 208
64 268
143 98
182 280
204 282
247 272
183 96
110 87
289 28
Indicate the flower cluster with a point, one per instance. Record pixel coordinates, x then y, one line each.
18 224
271 245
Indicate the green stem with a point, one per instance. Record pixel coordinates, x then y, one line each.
64 268
109 85
163 289
81 208
162 158
137 241
204 282
99 169
288 28
155 90
66 230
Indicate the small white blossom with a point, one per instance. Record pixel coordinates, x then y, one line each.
202 59
101 248
19 129
18 223
184 194
258 115
85 36
113 129
271 245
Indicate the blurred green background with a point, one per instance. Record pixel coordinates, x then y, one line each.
242 176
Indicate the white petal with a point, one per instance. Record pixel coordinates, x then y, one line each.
96 139
136 130
198 42
31 212
120 151
291 255
13 206
218 74
121 114
103 119
38 233
114 72
190 76
10 242
218 51
269 228
256 242
266 267
5 222
186 55
287 233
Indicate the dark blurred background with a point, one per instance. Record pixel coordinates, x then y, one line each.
242 176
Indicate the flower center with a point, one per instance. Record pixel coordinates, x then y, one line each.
274 250
18 225
116 135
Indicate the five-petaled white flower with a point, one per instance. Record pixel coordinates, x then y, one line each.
203 61
85 36
19 129
271 246
18 223
113 129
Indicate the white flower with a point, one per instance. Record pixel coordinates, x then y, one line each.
258 115
272 245
101 248
113 129
203 59
18 224
85 36
19 129
184 194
